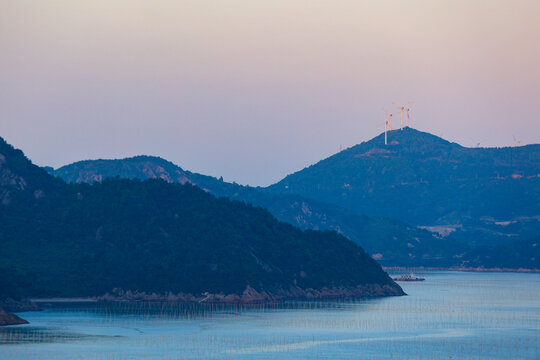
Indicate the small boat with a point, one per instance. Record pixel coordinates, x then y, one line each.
409 277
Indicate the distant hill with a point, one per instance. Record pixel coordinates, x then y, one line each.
521 254
391 242
446 199
481 195
68 240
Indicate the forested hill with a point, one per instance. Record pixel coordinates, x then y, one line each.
475 210
61 239
138 167
392 242
518 255
425 180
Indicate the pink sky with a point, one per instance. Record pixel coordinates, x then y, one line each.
254 90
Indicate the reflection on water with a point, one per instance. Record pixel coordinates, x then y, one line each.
450 315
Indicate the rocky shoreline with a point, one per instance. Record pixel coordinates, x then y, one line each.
248 296
458 268
8 305
252 296
10 319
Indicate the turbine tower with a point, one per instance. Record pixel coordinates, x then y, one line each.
401 109
385 131
387 119
516 141
407 110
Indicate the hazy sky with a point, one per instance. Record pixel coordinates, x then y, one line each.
254 90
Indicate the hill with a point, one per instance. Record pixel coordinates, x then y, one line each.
481 195
131 236
518 255
391 242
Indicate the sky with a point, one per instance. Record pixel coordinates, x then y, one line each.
255 90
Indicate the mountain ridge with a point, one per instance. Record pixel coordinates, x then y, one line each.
424 180
391 241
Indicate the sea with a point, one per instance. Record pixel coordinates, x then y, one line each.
450 315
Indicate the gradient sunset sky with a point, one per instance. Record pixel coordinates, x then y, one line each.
253 90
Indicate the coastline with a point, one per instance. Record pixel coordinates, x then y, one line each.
248 296
9 306
458 268
7 318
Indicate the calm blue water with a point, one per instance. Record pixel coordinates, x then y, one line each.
451 315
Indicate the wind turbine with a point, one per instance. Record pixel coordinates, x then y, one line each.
387 119
401 109
516 141
407 110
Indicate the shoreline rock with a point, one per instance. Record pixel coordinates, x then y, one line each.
10 319
252 296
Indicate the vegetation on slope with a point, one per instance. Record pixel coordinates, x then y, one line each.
391 242
425 180
469 197
518 255
63 239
